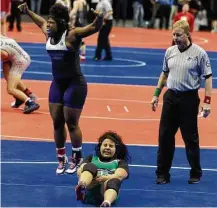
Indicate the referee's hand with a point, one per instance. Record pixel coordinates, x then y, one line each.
205 110
154 103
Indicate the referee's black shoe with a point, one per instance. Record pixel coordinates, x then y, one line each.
194 180
162 180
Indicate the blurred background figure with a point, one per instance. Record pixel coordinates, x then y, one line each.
66 3
121 11
185 15
173 11
78 18
161 8
155 8
36 6
138 13
164 10
201 20
213 6
92 4
5 8
103 37
15 15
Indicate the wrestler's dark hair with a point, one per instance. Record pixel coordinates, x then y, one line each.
60 14
121 149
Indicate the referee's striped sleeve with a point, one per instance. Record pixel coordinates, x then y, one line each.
205 65
165 63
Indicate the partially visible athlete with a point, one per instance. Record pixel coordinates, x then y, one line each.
14 62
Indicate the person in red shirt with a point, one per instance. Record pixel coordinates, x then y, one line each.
185 15
5 8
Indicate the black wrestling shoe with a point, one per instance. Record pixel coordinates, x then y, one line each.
194 180
30 107
17 103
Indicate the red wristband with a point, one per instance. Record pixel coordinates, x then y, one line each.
207 99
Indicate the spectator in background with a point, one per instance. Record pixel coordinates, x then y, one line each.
121 11
185 15
138 13
78 18
36 6
201 20
5 8
195 6
214 15
173 11
103 37
66 3
164 10
15 15
163 7
93 4
155 8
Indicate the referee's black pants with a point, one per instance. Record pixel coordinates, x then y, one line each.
180 110
103 41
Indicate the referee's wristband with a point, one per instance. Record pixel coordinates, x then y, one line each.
207 100
157 92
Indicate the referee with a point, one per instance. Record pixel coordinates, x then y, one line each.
184 64
103 38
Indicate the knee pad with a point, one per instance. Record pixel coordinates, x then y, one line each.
90 168
114 184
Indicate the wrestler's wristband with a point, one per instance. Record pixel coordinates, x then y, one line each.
207 100
157 92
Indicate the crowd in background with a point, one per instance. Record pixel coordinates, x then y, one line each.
159 14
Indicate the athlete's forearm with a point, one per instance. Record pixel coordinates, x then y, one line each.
97 24
38 20
89 29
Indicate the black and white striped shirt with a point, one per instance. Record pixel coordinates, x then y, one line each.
105 7
186 68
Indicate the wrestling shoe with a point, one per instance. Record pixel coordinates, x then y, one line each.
17 103
76 162
80 191
82 57
62 165
30 107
